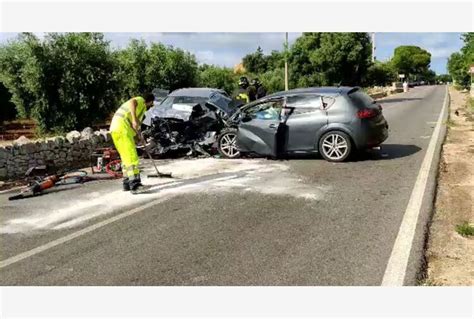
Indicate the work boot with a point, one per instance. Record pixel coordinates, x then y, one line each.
126 184
136 186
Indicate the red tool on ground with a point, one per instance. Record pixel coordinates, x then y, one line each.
106 160
37 187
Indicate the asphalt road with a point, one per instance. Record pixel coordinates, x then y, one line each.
302 221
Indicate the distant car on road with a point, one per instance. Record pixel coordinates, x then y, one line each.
334 121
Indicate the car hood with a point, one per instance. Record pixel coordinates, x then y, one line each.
183 111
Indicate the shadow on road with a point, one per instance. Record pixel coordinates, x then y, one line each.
388 152
388 101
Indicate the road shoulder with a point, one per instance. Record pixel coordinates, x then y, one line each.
450 250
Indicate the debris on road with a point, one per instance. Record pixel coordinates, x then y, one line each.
208 175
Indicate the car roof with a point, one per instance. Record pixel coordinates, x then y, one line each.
196 92
329 90
325 90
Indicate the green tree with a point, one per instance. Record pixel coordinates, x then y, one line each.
19 71
444 78
429 76
181 70
411 60
67 81
330 58
380 73
302 71
136 71
273 80
144 68
468 48
217 77
275 60
459 69
255 62
7 108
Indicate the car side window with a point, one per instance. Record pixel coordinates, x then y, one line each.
269 110
304 103
308 103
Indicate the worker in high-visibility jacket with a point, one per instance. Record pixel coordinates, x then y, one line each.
124 128
243 95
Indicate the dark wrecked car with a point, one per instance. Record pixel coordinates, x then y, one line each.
332 121
188 122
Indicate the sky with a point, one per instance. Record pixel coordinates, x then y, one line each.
227 49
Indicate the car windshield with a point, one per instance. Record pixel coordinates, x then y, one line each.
224 103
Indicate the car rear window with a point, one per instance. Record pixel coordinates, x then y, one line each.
360 98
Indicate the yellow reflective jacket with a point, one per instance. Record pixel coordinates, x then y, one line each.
122 119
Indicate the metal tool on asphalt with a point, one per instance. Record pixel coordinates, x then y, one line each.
39 185
158 173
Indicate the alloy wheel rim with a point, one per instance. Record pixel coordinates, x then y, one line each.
228 146
335 146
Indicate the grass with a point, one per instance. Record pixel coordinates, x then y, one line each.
465 229
449 123
427 282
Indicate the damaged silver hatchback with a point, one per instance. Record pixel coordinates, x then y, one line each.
332 121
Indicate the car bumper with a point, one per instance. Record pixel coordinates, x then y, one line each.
372 133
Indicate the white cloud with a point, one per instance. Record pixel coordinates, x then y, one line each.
205 57
437 52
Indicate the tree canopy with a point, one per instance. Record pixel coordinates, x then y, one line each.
411 60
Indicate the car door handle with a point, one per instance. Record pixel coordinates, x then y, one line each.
272 125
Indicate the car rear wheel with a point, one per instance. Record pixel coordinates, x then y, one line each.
335 146
227 146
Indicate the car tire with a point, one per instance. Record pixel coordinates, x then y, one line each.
226 143
335 146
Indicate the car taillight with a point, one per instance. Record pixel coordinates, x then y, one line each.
366 113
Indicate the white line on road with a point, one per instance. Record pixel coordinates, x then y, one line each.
397 264
62 240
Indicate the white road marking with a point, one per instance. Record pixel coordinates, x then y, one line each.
62 240
397 264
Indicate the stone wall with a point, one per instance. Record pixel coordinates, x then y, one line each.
58 153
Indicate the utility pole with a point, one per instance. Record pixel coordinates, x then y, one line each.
286 62
373 47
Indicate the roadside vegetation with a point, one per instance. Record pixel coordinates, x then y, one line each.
460 62
68 81
465 229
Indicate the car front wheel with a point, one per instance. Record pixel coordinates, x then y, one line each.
227 143
335 146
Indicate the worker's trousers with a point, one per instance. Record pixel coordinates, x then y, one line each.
125 144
